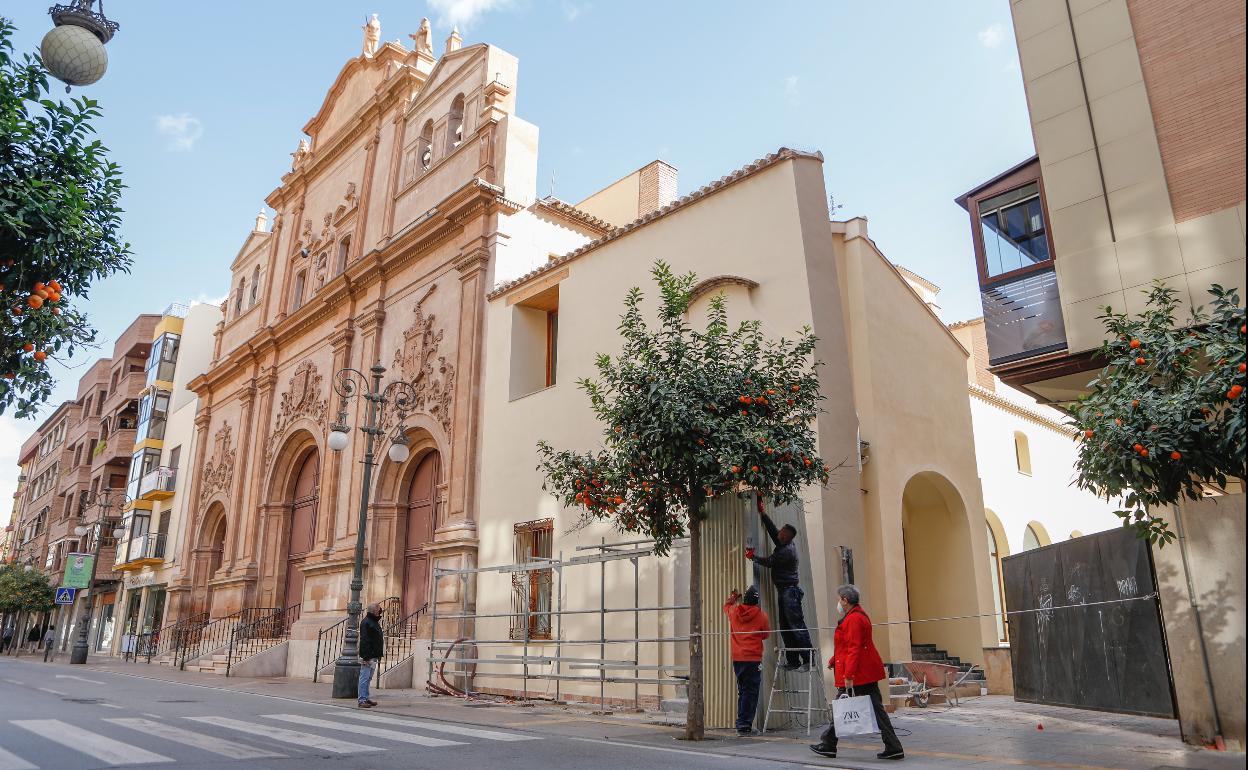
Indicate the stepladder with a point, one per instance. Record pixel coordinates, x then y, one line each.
796 694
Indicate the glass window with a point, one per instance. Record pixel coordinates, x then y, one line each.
153 414
531 590
1030 539
163 358
998 601
1014 230
1022 453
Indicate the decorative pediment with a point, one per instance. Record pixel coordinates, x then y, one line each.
219 467
303 398
354 87
418 361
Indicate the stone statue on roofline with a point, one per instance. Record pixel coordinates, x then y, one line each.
372 35
300 154
423 38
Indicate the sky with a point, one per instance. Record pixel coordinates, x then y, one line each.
911 103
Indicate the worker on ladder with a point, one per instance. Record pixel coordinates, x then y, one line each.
784 574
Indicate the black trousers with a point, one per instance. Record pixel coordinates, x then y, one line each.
749 679
828 740
793 626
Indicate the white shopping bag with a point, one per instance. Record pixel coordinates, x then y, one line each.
854 716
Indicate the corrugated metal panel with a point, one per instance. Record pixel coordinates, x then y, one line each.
723 569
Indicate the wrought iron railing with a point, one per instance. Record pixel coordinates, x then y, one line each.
248 639
215 635
167 640
329 640
400 637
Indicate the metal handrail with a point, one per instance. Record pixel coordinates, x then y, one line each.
399 637
329 639
274 627
155 644
216 634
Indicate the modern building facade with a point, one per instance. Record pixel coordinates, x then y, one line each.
1137 110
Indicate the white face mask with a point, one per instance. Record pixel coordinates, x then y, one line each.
840 608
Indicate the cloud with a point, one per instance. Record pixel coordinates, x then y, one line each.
572 10
992 36
464 12
180 131
791 90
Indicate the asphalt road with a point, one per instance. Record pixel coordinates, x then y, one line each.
60 718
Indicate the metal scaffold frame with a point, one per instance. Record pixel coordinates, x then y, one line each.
600 554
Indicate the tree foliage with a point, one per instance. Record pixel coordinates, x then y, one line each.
24 591
689 415
1165 417
59 220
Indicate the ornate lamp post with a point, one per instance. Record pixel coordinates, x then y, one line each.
73 51
398 396
105 502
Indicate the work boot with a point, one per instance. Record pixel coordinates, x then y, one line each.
890 754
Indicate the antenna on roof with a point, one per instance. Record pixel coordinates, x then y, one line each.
552 183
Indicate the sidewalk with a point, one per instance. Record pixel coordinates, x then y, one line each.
984 733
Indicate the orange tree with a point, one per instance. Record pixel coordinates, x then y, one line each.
690 415
1165 417
24 591
59 217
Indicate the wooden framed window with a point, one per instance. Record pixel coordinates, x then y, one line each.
531 591
552 345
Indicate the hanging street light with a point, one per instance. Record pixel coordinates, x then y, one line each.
73 50
105 501
400 397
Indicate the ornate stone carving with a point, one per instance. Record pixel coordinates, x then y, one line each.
431 375
219 467
300 154
423 38
372 36
303 398
350 196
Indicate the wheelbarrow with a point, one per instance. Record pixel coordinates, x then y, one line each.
927 677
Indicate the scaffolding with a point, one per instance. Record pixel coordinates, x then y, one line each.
527 577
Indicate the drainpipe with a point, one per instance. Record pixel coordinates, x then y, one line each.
1218 741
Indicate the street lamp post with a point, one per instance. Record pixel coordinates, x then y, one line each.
105 501
399 396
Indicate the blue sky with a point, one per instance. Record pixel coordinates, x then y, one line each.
911 103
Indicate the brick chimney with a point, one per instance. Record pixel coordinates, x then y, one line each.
657 187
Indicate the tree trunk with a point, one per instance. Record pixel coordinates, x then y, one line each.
695 717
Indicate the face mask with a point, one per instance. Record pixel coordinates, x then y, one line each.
840 608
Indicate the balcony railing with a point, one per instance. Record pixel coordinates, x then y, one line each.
141 548
1023 318
158 484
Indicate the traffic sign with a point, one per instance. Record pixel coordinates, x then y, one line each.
65 595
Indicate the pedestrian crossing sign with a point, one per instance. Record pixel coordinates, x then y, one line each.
65 595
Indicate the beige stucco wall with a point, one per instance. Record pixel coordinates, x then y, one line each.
616 203
1095 267
1213 535
909 384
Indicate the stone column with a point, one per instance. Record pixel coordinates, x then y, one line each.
241 549
265 386
396 168
331 462
180 600
366 194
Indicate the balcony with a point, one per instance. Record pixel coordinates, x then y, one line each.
143 551
158 484
1023 317
117 449
71 478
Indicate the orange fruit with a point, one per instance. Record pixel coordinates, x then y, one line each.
1118 421
1140 361
1135 344
42 293
771 391
35 301
736 469
1243 368
754 468
40 286
9 375
1235 392
56 311
40 355
1176 455
1138 447
1135 403
1089 433
796 388
56 286
28 347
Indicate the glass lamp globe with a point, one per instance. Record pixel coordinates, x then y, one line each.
398 453
80 530
338 440
28 568
119 533
74 55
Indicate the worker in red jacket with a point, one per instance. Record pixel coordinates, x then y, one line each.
750 627
859 670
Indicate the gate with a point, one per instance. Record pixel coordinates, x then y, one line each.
1085 626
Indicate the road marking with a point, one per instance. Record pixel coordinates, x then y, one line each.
45 689
307 740
80 679
102 748
198 740
14 762
376 732
441 727
153 716
14 681
110 706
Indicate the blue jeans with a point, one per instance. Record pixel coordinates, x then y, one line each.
749 678
793 626
366 677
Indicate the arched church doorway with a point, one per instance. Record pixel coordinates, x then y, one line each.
422 497
305 498
940 567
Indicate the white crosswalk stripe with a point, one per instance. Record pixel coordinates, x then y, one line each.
198 740
102 748
376 732
9 761
307 740
440 727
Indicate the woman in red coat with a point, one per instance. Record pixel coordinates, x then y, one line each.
858 672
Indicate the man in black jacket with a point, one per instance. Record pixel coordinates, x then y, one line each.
372 647
784 574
